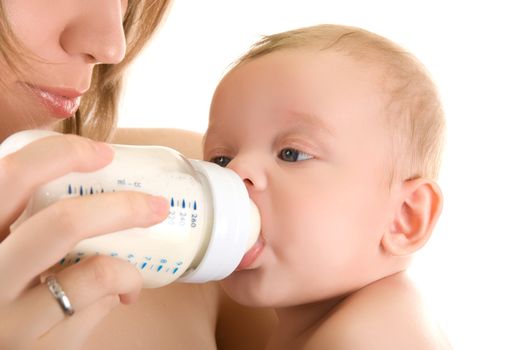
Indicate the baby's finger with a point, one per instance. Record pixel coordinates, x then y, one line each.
49 235
85 284
40 162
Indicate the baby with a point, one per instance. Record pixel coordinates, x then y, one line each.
337 133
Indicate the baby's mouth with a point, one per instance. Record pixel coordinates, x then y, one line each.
252 254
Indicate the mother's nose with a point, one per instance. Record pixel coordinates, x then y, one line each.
96 32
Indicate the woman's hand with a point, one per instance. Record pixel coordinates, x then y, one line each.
30 317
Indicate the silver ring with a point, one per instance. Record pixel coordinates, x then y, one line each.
59 294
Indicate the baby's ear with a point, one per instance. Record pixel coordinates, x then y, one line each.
418 209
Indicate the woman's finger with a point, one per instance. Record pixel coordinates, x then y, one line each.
40 162
49 235
73 332
85 284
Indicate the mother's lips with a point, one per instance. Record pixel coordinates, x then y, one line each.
61 102
58 91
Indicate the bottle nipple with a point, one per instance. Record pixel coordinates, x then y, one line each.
254 229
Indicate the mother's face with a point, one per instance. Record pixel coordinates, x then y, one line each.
63 41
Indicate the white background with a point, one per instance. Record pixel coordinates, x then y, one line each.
471 270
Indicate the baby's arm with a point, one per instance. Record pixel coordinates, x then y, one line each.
387 314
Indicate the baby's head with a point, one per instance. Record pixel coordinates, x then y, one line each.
337 133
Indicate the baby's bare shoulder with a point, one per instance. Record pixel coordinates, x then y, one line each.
387 314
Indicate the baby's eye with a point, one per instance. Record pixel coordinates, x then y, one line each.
293 155
221 160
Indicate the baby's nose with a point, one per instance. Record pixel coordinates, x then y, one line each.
252 174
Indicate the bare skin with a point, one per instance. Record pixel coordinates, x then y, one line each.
180 316
386 314
73 37
175 316
305 130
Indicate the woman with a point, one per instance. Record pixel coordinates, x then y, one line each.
61 66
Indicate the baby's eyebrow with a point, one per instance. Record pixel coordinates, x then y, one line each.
212 134
309 119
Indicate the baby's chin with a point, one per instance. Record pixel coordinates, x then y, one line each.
247 288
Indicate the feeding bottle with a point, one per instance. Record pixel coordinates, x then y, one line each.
211 223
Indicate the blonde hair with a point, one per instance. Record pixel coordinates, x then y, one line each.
415 115
97 115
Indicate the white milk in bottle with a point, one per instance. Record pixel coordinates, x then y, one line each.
211 224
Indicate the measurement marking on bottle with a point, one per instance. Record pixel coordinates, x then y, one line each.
146 263
89 190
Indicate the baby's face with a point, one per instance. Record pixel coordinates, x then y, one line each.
305 131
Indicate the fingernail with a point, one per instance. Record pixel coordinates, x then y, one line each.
158 205
104 150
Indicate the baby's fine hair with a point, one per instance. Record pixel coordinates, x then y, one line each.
414 113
